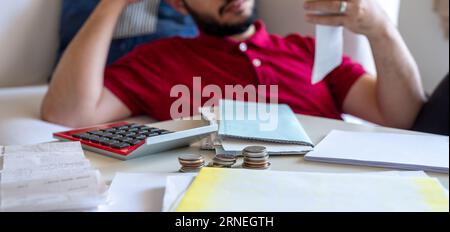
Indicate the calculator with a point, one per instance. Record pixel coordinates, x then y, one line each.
124 140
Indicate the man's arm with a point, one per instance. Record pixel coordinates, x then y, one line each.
396 96
76 96
397 93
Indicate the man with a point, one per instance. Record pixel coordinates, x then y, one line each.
434 115
234 49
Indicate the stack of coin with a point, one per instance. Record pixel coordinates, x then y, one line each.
191 163
255 157
224 161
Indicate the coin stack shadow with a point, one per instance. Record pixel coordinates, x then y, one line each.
191 163
256 157
224 161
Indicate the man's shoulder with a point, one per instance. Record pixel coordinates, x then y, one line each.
294 41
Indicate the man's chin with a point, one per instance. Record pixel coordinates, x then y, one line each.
237 21
237 17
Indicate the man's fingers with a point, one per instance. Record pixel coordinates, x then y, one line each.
322 6
330 20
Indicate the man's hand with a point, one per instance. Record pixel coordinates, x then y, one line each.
361 16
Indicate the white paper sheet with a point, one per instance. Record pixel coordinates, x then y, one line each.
75 191
49 177
176 187
412 152
71 147
237 145
329 51
137 192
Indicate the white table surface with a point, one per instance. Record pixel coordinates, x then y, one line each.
317 129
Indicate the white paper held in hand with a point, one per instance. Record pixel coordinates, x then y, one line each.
329 51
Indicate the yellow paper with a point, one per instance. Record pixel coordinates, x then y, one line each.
239 190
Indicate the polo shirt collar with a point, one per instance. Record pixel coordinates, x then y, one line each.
261 38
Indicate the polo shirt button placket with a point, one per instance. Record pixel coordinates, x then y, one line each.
257 63
243 47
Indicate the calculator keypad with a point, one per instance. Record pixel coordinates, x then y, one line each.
121 137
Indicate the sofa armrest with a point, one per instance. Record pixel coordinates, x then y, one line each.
20 121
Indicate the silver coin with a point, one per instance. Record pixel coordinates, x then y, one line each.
263 158
223 163
256 155
183 162
262 167
255 149
225 157
187 170
190 157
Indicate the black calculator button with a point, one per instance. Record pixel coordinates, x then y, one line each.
136 142
152 134
117 136
110 130
82 136
98 133
135 126
140 137
154 130
123 128
143 132
95 139
133 130
120 145
104 141
112 142
130 134
90 136
164 132
125 139
107 133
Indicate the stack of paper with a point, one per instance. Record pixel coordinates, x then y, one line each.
177 186
243 124
231 190
399 151
49 177
236 146
261 122
148 192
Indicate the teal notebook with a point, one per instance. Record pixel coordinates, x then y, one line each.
263 122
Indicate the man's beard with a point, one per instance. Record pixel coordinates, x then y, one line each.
210 26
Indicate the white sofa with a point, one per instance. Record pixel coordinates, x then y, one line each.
20 121
28 42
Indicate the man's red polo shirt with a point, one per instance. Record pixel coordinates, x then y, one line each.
143 79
